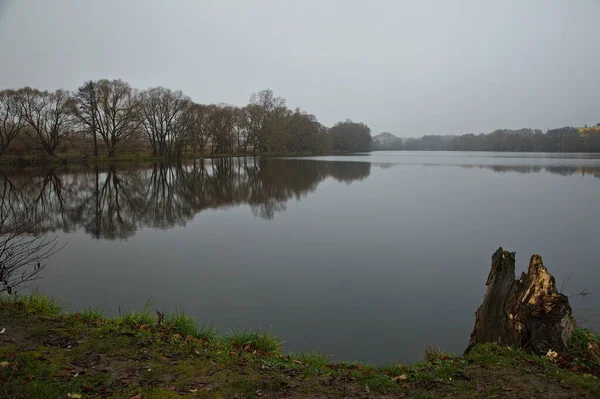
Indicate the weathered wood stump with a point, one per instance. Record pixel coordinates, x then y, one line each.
527 313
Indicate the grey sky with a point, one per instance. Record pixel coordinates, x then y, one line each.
408 67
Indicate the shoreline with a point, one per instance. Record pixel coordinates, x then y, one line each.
78 159
71 159
45 352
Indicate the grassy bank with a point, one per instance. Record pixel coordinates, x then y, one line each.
45 353
73 158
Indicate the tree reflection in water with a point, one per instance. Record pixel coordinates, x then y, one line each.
113 201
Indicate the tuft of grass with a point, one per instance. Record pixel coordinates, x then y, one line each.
432 352
581 348
182 323
581 338
134 318
495 354
35 303
208 333
186 325
91 314
264 341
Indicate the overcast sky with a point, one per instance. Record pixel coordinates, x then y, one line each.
408 67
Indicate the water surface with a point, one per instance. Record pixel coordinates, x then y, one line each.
366 257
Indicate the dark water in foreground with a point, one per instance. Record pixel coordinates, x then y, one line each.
362 257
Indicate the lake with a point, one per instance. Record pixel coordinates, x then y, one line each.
367 257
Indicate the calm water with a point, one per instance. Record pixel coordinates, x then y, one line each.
367 257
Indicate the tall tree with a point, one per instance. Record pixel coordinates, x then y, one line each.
241 129
260 115
48 116
11 119
118 114
87 111
306 133
221 122
351 136
163 111
196 116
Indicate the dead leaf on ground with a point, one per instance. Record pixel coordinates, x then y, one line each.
74 396
138 396
400 378
144 327
4 365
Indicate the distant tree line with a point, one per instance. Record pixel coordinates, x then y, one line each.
564 139
387 142
107 116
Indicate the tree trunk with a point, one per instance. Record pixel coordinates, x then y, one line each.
112 150
95 136
527 313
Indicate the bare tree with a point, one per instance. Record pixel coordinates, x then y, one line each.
118 115
87 111
48 117
11 120
163 111
276 136
221 122
197 118
259 116
22 252
242 128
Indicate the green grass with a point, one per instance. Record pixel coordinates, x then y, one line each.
156 362
432 353
133 318
187 326
35 303
582 337
253 340
91 314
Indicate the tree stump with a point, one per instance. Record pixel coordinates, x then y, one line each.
527 313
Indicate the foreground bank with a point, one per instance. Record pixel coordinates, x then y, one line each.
45 353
